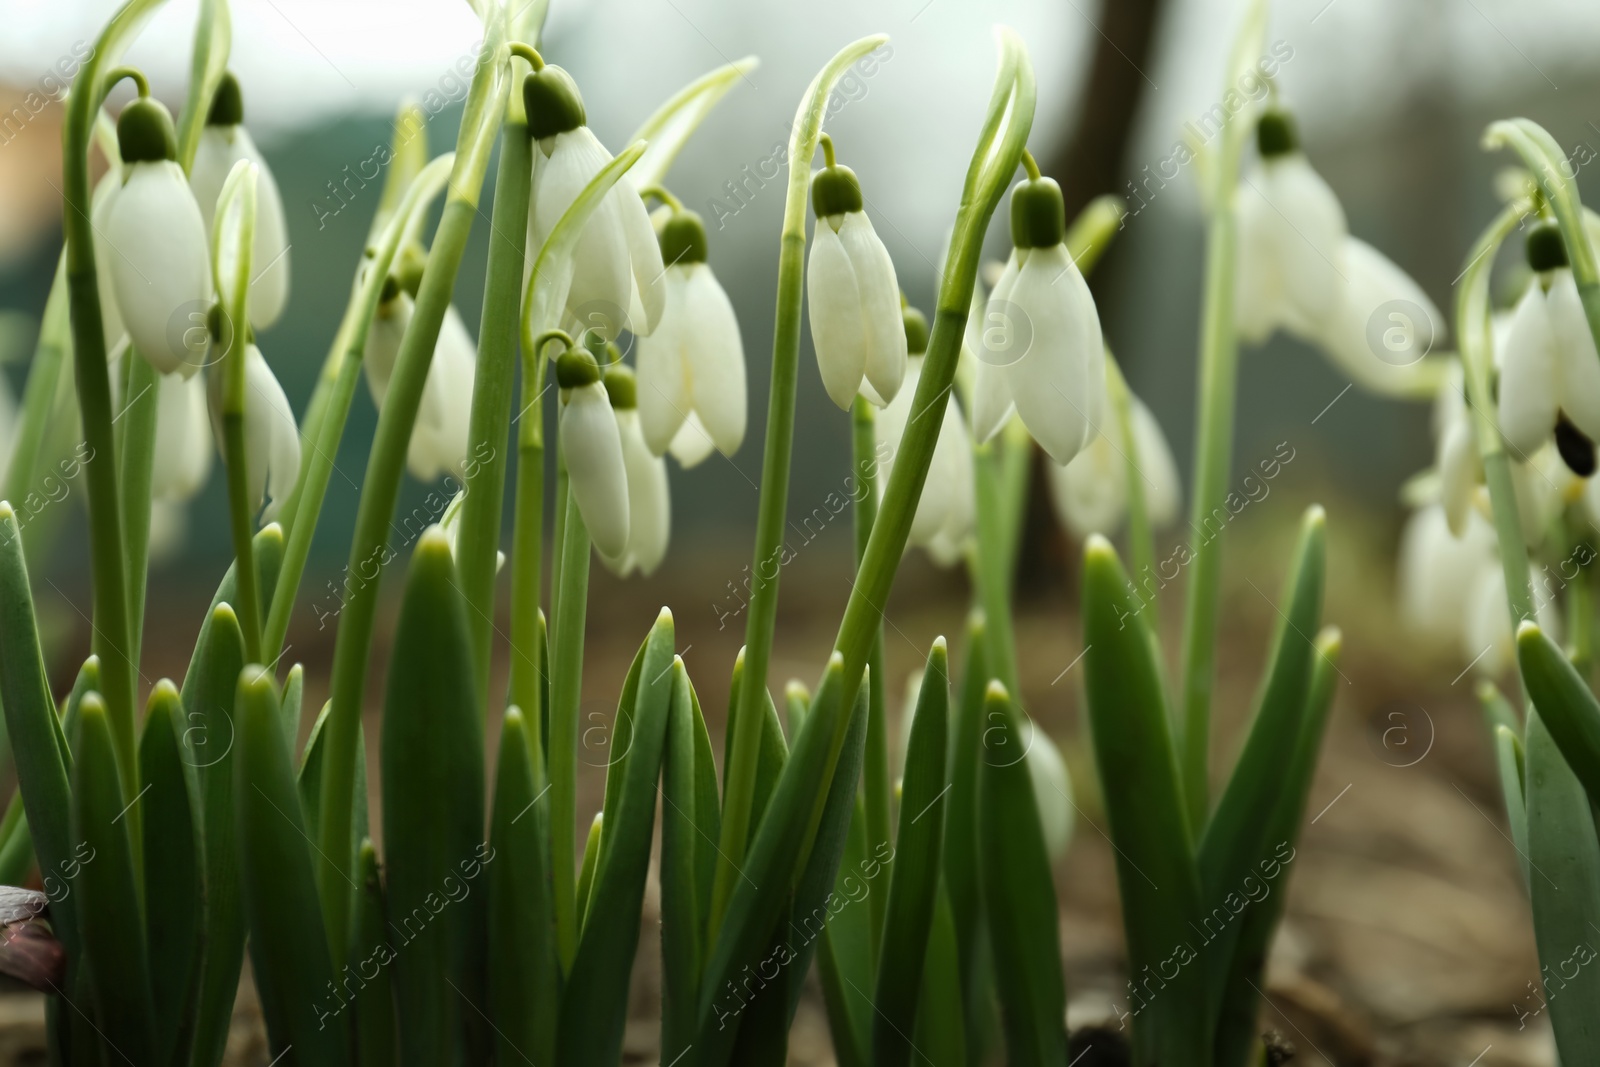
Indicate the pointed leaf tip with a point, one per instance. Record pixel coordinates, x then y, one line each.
996 691
1528 630
1330 641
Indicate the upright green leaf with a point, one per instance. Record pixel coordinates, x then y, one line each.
288 944
87 681
914 876
1236 1023
293 691
941 1019
1157 878
172 866
961 806
1570 711
595 1006
1565 858
844 936
1018 892
613 745
707 817
681 947
370 956
1510 764
592 843
433 819
107 897
523 983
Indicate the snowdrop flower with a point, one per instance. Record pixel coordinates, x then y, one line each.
591 446
160 264
183 450
224 142
1382 325
947 510
853 294
617 279
439 438
1487 638
1291 253
649 505
1091 492
693 363
1549 371
99 215
1437 571
1042 354
272 440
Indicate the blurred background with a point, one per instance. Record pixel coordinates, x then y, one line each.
1392 98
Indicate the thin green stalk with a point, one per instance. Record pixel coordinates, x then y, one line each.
525 688
491 395
761 620
369 548
992 567
1141 541
566 678
39 397
879 788
111 640
140 409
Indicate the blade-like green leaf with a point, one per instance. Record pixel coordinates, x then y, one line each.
844 956
1018 892
1157 877
914 876
370 953
1511 766
594 1008
670 128
522 952
1565 859
309 778
293 691
172 866
941 1020
1237 838
707 817
961 818
592 844
681 947
1569 710
107 896
1236 1024
288 947
611 747
1497 711
16 843
431 752
87 681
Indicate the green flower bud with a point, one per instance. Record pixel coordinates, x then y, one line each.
835 191
227 107
1038 214
683 238
409 270
145 134
916 331
552 101
390 290
576 367
1545 248
1276 134
621 387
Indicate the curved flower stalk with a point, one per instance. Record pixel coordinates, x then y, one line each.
161 271
618 281
854 295
649 501
1091 493
439 439
1049 362
691 374
223 143
947 510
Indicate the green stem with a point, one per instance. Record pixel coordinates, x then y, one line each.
39 396
993 565
491 396
239 523
879 788
369 548
140 411
761 621
111 640
1141 541
566 679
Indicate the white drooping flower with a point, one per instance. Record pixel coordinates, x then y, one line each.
1382 325
947 510
1041 352
692 365
159 260
853 294
617 277
105 193
1091 492
1549 369
223 142
591 446
440 435
649 502
272 439
1487 638
1437 571
1291 252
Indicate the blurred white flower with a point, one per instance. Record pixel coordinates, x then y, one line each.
591 446
1091 492
440 435
272 439
223 142
649 501
1382 325
1437 571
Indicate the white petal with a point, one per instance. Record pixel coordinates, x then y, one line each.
1486 638
1162 485
1384 324
1432 570
1577 361
835 311
99 211
999 340
1056 382
383 345
439 439
219 148
649 503
183 448
1258 285
169 528
602 278
663 367
644 251
160 266
1306 233
1091 492
272 439
1527 403
883 325
1460 472
715 357
692 443
592 447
